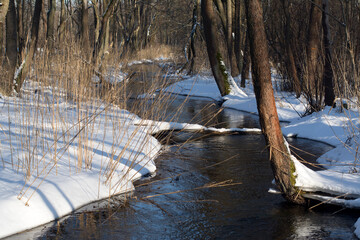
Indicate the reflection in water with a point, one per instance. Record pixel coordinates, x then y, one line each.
244 211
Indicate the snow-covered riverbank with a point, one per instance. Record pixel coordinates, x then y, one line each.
335 126
43 137
57 156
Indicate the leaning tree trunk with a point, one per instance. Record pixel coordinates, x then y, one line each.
216 60
280 160
328 72
11 48
25 66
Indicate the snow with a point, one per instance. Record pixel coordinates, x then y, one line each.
117 148
357 226
158 126
113 150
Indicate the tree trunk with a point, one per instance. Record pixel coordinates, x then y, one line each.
229 38
97 21
62 22
280 160
328 72
290 60
25 67
245 71
3 11
313 51
85 38
222 13
11 47
237 42
100 42
216 61
50 34
20 29
191 54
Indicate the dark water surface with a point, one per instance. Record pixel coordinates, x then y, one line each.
242 211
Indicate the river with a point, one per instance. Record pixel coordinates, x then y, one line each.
243 211
185 209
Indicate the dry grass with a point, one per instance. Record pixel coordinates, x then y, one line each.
156 51
60 117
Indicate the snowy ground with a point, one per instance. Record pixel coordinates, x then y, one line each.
42 137
338 127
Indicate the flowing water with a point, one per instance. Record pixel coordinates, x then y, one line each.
243 211
186 208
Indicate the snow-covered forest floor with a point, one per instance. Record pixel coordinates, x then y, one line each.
58 154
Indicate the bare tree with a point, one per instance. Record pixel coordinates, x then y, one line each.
280 159
4 5
190 55
62 21
20 6
290 60
245 71
313 56
50 34
239 12
215 57
11 47
328 72
25 66
85 38
229 38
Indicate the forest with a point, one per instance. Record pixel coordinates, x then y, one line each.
88 87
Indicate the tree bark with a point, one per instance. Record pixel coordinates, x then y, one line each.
229 38
50 33
245 71
103 34
20 29
62 24
85 38
191 54
97 21
25 67
216 60
3 11
290 65
313 51
237 41
11 47
328 71
280 159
